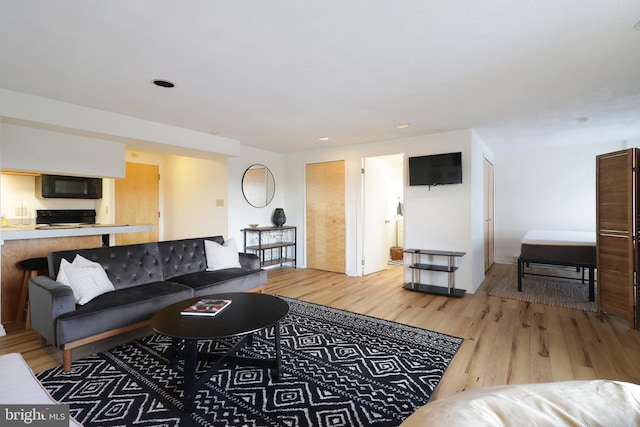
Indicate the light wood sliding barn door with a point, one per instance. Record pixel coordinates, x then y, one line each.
137 202
325 223
616 229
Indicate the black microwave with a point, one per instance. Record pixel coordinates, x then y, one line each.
68 187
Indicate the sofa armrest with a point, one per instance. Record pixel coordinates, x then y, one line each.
48 300
250 261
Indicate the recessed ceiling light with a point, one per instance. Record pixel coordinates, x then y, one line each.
583 119
163 83
402 125
323 138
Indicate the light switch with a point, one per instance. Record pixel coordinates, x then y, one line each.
219 202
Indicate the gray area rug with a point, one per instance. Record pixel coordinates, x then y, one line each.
547 290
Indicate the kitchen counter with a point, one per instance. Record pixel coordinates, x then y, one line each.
41 231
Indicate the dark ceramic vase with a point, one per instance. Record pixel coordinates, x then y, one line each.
278 218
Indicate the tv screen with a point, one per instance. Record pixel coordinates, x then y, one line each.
436 169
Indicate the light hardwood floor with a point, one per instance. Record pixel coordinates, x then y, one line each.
505 341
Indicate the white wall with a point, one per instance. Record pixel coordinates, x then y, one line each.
544 188
436 219
440 217
195 192
37 112
241 212
44 151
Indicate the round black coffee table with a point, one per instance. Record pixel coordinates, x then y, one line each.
248 313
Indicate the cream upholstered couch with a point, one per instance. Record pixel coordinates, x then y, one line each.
568 403
20 386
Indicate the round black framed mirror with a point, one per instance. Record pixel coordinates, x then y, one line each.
258 185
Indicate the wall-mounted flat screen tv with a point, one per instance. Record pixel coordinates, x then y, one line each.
436 169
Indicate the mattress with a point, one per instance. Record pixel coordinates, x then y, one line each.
575 248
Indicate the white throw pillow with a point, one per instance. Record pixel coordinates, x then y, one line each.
87 279
62 276
221 256
231 243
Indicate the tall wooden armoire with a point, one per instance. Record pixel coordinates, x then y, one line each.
617 224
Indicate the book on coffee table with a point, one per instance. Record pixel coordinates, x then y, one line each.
206 307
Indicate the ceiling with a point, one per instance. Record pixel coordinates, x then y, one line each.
280 74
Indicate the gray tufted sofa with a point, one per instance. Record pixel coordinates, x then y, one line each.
146 278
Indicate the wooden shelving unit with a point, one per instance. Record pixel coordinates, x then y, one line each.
273 245
417 267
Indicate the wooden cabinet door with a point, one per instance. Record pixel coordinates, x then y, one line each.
615 233
137 202
325 221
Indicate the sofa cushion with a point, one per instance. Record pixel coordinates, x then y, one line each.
87 279
227 280
221 256
118 309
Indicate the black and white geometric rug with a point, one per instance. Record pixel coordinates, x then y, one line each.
338 369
